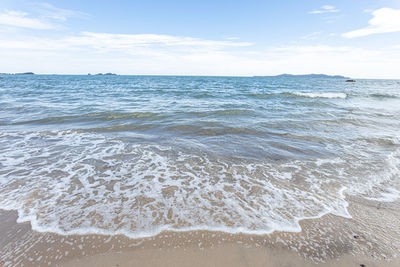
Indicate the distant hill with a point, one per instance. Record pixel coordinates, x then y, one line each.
309 76
25 73
108 73
22 73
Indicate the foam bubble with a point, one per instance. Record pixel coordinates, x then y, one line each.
321 95
389 195
79 183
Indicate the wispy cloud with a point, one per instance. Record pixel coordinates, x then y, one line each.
310 36
232 38
167 54
22 20
325 9
41 16
46 10
384 20
134 44
123 41
83 52
316 49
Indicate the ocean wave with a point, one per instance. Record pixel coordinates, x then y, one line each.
320 95
266 95
198 129
387 195
87 183
300 94
380 95
221 112
100 116
232 112
203 95
71 182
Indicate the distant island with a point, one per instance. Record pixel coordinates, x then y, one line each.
25 73
308 76
285 75
108 73
22 73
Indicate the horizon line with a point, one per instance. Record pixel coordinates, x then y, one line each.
191 75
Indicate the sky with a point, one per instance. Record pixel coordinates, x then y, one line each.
358 38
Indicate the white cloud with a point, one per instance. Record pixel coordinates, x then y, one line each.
166 54
42 16
325 9
49 11
123 43
126 41
21 20
385 20
310 36
232 38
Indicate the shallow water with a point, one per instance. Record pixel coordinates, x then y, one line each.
136 155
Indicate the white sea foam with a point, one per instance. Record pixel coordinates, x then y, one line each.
389 195
379 180
80 183
321 95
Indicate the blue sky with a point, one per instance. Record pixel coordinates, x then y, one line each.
354 38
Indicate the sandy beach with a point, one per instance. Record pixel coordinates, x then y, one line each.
371 238
199 133
199 171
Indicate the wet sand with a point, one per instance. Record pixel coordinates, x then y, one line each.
230 255
371 237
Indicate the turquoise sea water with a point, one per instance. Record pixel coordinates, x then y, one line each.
136 155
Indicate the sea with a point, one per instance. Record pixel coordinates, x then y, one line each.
139 155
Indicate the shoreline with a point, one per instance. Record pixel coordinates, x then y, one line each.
370 238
